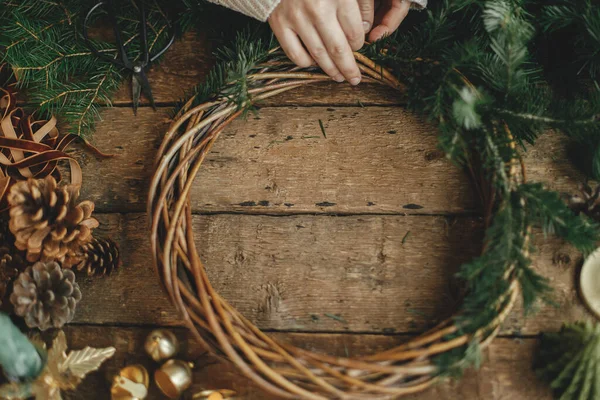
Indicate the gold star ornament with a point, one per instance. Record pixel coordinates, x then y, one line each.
62 371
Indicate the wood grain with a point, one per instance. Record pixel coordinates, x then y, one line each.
373 160
505 374
272 246
356 274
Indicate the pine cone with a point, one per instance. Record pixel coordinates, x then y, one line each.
11 263
99 257
588 202
46 295
6 237
48 222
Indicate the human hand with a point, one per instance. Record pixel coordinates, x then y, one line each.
389 16
330 31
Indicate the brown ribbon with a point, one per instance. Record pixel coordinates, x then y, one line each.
32 149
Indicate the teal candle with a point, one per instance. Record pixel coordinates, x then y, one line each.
19 358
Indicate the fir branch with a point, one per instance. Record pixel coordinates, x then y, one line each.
593 120
583 17
556 218
506 254
43 44
230 76
453 363
568 361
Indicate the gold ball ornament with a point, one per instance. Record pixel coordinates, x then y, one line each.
220 394
174 378
131 384
161 344
589 282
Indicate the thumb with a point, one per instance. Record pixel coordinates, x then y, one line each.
393 15
367 11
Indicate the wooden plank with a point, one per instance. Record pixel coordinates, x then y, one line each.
374 160
190 59
356 274
506 372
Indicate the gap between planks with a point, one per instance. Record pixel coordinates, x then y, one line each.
183 328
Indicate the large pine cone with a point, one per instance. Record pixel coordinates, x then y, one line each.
46 295
99 257
48 222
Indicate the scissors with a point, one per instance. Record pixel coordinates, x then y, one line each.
137 66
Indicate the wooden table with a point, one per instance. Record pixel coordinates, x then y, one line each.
346 243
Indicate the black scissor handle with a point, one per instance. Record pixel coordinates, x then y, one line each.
160 53
123 61
171 29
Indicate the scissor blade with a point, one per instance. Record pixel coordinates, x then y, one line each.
146 89
136 90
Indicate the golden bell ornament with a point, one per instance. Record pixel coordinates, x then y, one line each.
161 344
220 394
174 378
131 384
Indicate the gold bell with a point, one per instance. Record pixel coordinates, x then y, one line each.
161 344
220 394
131 384
174 377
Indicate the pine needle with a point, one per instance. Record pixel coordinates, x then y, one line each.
322 129
336 318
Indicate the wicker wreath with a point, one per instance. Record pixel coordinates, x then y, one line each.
279 368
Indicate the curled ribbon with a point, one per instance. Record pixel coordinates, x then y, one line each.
30 148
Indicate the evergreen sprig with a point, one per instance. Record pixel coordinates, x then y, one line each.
583 18
548 211
569 361
229 78
42 42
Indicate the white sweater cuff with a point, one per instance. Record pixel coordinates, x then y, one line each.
419 4
261 9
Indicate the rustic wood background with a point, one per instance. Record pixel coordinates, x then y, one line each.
346 243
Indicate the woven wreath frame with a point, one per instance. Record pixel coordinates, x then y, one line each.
279 368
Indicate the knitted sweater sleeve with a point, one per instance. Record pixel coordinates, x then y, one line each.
261 9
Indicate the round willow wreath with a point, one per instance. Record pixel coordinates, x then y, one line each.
280 368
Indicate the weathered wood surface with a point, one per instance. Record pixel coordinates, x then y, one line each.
373 160
267 232
505 374
354 267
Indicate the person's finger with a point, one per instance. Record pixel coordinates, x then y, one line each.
340 51
391 20
352 25
291 45
367 12
315 46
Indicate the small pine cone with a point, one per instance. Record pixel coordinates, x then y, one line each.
99 257
46 295
11 259
6 236
47 221
588 202
10 265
